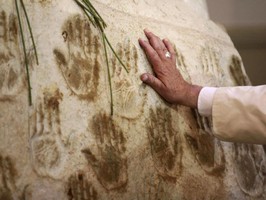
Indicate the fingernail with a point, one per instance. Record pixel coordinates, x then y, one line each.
147 30
144 77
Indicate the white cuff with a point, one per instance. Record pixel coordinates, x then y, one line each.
205 101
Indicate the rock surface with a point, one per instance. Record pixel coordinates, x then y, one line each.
68 146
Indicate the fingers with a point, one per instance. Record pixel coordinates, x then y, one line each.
170 48
156 43
153 82
152 55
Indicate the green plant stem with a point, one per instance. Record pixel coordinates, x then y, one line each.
85 10
25 53
109 75
96 12
97 19
98 22
31 35
109 44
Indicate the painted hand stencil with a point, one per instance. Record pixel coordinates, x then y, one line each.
12 74
236 72
80 66
110 163
80 188
46 144
164 143
128 99
207 150
211 68
249 167
8 176
182 66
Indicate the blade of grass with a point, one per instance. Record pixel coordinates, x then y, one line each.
92 7
25 53
85 10
90 10
88 7
29 27
109 44
109 75
97 20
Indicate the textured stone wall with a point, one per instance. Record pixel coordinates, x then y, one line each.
68 146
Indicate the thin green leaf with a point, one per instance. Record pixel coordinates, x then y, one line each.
109 44
92 7
86 11
97 19
90 10
98 22
25 53
109 75
31 35
99 25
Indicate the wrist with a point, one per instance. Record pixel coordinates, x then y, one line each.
192 95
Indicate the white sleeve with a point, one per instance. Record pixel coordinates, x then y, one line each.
239 114
205 101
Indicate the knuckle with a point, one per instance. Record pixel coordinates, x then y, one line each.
145 45
151 79
152 54
173 53
154 58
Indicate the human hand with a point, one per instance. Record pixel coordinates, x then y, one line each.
167 82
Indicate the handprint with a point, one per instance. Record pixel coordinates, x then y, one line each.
236 72
8 175
151 188
128 98
110 161
212 71
182 66
12 74
207 150
80 66
165 143
80 188
47 147
248 166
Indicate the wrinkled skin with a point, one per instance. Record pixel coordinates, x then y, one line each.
167 81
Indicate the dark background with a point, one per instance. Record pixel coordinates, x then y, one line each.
245 22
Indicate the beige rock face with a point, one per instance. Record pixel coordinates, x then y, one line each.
68 146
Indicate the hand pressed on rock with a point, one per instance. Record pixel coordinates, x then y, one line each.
167 82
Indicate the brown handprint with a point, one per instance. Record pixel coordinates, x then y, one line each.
80 66
211 68
12 74
151 188
128 98
47 147
236 72
249 169
8 175
80 188
165 143
110 162
181 65
207 150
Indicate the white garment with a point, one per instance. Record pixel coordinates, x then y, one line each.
238 113
205 101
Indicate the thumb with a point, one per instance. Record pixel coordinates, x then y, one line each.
152 81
